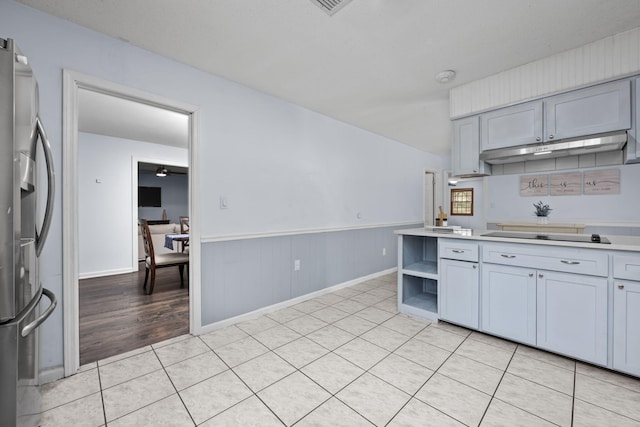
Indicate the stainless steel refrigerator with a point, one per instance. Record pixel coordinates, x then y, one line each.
22 235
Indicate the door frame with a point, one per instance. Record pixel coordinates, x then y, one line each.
73 81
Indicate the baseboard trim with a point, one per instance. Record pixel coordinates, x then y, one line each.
284 304
93 274
50 375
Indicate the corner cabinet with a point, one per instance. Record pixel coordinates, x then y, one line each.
465 150
418 276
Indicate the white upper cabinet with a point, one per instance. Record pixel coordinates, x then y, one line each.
589 111
633 151
508 127
465 151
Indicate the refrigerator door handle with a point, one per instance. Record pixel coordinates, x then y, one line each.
51 186
44 316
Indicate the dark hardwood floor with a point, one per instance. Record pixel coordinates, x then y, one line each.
116 316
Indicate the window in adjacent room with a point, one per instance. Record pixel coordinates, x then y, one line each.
462 201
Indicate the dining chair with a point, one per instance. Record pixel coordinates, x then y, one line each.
184 229
153 260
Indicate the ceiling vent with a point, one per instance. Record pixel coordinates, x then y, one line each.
331 6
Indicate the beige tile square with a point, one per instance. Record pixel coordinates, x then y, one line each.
440 338
335 414
86 411
210 397
417 413
451 328
608 396
277 336
135 394
332 372
355 325
474 374
494 341
129 368
124 355
455 399
536 399
166 412
611 377
367 298
88 367
361 353
306 324
222 337
542 373
256 325
385 338
293 397
381 291
241 351
181 350
69 389
331 337
250 412
285 315
349 306
588 415
485 353
405 325
263 371
502 414
329 298
330 314
389 304
423 354
171 341
374 315
346 292
547 357
404 374
301 352
373 398
191 371
309 306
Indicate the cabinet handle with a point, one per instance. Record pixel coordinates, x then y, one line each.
538 139
540 275
551 136
475 171
564 261
620 286
507 256
475 266
457 251
530 274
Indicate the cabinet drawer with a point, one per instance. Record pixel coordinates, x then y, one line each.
455 249
626 267
570 260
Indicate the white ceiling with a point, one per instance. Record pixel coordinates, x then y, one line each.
372 64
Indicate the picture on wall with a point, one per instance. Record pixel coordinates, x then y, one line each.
534 185
566 184
602 182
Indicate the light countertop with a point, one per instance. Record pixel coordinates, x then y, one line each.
618 243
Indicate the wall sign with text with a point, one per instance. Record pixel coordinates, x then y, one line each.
571 184
602 182
534 185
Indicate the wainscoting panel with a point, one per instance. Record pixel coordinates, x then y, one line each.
240 276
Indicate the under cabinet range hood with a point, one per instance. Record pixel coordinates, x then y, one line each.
568 147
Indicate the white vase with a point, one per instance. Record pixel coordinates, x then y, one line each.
542 220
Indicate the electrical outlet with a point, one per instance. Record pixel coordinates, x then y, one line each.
296 265
384 251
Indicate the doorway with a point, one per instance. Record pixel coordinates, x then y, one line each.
74 83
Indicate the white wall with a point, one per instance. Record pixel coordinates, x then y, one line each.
105 217
506 204
281 166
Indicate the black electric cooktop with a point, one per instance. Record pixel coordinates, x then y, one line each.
585 238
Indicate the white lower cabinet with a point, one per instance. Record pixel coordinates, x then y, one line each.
572 315
509 302
458 293
626 327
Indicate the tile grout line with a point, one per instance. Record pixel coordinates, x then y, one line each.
573 395
104 409
504 372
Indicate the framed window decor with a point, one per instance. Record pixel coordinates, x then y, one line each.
462 201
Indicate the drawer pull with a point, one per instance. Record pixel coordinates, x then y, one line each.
507 256
620 286
457 251
564 261
530 274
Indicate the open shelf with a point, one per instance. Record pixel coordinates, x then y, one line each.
422 268
420 293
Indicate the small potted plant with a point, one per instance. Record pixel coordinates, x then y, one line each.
542 212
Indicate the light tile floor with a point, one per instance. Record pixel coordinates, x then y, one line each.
346 358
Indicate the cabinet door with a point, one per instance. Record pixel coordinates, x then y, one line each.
511 126
597 109
509 302
458 292
572 315
633 146
465 150
626 327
